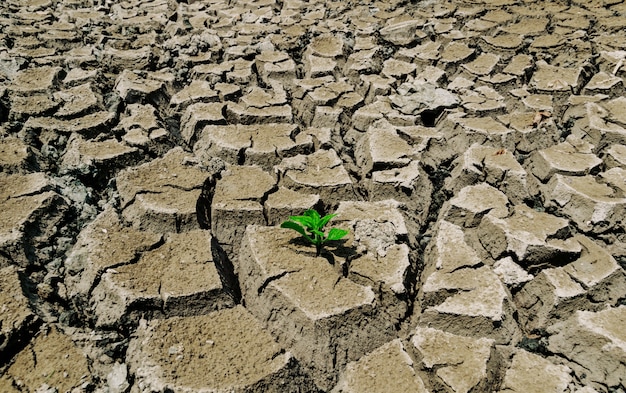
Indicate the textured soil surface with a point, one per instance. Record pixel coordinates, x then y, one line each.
475 150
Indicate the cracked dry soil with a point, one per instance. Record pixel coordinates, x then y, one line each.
475 149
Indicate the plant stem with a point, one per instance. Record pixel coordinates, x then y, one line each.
318 244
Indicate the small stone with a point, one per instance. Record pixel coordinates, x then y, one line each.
117 379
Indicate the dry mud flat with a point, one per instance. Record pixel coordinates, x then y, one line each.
476 151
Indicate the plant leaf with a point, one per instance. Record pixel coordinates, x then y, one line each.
336 234
294 226
312 213
318 233
304 220
297 228
325 220
315 218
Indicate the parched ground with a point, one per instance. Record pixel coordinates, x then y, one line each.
475 150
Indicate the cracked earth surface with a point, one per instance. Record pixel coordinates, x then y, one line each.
150 149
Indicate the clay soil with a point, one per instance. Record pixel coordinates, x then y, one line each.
475 150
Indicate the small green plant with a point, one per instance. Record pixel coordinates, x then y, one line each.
311 227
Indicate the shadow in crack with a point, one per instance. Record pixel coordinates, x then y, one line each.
224 265
226 271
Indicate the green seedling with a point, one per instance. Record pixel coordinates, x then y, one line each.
311 227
